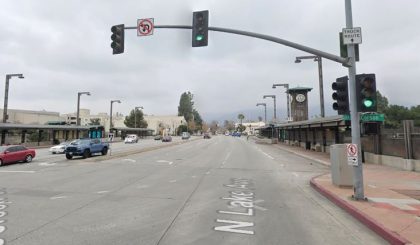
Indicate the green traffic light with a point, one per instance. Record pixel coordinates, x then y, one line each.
199 37
368 103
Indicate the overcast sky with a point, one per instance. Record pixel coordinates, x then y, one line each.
63 47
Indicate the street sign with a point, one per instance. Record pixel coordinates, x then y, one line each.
352 35
352 153
145 27
371 117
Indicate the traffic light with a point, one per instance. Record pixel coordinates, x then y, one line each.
200 28
117 38
366 93
341 95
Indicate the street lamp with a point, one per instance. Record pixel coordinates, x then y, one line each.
286 86
78 106
6 100
274 98
321 86
265 111
135 115
110 117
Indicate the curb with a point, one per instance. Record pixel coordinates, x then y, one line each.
385 233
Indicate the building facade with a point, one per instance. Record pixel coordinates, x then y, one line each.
31 117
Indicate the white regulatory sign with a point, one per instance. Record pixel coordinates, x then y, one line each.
352 35
145 27
352 153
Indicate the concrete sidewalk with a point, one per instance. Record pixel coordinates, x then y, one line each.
393 206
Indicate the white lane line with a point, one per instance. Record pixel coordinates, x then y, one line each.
372 186
17 171
164 161
47 164
193 176
58 197
208 172
267 155
101 192
295 174
172 181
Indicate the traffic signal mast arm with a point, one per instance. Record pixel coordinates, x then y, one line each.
344 61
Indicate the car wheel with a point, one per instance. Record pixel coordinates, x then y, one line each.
86 154
28 158
68 156
1 162
53 152
104 151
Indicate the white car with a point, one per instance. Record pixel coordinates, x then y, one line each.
59 149
131 138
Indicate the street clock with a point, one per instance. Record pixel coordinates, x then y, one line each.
300 98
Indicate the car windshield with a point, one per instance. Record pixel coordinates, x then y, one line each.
79 142
3 148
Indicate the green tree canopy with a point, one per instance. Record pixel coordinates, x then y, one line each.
241 117
135 119
186 104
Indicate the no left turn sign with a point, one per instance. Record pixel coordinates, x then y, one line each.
145 27
352 150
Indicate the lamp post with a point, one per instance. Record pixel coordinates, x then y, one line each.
286 86
320 77
135 115
78 106
265 111
110 113
274 99
6 100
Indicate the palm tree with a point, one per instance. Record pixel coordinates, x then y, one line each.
241 117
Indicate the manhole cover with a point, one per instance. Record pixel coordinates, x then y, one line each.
411 193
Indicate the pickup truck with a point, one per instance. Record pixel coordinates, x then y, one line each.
85 148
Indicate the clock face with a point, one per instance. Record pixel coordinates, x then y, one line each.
300 98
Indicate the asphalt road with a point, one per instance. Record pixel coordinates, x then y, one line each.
219 191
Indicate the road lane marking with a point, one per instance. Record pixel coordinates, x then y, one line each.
47 164
208 172
17 171
101 192
164 161
234 226
295 174
172 181
240 202
58 197
193 176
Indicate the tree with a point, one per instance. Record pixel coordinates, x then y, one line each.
241 117
197 119
135 119
240 128
214 126
182 128
205 127
382 102
186 104
229 125
95 121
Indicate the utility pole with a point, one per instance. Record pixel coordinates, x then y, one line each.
265 111
135 115
110 116
286 86
274 99
6 100
354 115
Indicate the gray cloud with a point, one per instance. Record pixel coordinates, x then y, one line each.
63 48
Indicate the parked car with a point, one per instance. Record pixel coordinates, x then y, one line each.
227 133
207 136
167 138
86 147
158 137
59 149
16 153
131 138
185 135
